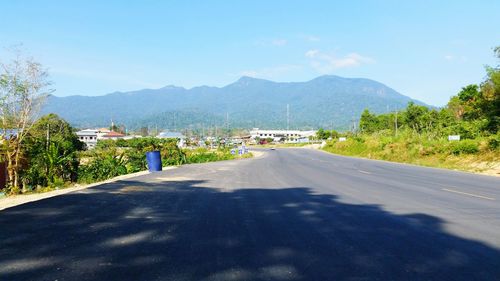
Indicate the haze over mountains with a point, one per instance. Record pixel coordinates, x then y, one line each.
248 102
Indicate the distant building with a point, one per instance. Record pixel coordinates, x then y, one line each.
112 136
174 135
241 139
282 135
89 137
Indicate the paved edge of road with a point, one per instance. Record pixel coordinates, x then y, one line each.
15 200
409 164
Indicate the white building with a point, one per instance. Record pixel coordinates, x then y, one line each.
278 135
89 137
174 135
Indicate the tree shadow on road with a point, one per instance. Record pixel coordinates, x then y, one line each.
186 230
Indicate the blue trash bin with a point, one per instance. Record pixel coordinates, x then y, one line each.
154 161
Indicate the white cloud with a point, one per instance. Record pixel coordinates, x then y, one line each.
312 53
308 37
450 57
279 42
325 62
312 38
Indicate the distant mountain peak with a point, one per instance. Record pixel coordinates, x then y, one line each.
245 80
171 87
329 77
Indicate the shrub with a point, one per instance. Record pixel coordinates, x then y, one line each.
464 147
104 165
203 155
494 142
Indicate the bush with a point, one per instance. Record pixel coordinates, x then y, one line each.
494 142
464 147
203 155
104 164
113 158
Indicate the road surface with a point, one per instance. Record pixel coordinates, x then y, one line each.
292 214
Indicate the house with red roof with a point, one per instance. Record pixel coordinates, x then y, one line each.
112 135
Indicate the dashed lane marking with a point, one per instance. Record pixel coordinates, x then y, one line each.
468 194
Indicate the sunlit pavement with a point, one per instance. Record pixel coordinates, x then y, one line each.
292 214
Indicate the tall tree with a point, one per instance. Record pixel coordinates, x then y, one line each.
491 93
23 88
368 123
52 149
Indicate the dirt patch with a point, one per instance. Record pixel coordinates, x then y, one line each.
257 154
488 168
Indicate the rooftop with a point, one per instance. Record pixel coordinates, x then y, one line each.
113 134
173 135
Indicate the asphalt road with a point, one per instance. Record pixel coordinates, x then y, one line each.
292 214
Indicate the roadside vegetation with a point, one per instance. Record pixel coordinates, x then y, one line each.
53 157
420 135
42 154
113 158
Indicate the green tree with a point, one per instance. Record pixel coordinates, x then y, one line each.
417 117
23 84
51 147
322 134
490 89
368 122
472 101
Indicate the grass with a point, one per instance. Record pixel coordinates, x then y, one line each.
467 155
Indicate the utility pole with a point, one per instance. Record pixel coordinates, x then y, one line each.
227 123
396 123
48 136
287 117
354 127
175 124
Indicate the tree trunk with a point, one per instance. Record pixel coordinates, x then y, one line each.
10 170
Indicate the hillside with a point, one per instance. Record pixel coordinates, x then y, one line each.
249 102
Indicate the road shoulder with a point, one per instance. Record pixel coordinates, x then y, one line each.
16 200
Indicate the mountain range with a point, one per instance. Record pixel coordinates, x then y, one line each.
325 101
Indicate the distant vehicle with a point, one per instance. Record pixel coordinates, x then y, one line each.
272 148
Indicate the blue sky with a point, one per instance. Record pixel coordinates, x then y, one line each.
427 50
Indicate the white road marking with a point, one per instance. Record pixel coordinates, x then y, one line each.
469 194
364 172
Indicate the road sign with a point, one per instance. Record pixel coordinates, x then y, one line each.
454 138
